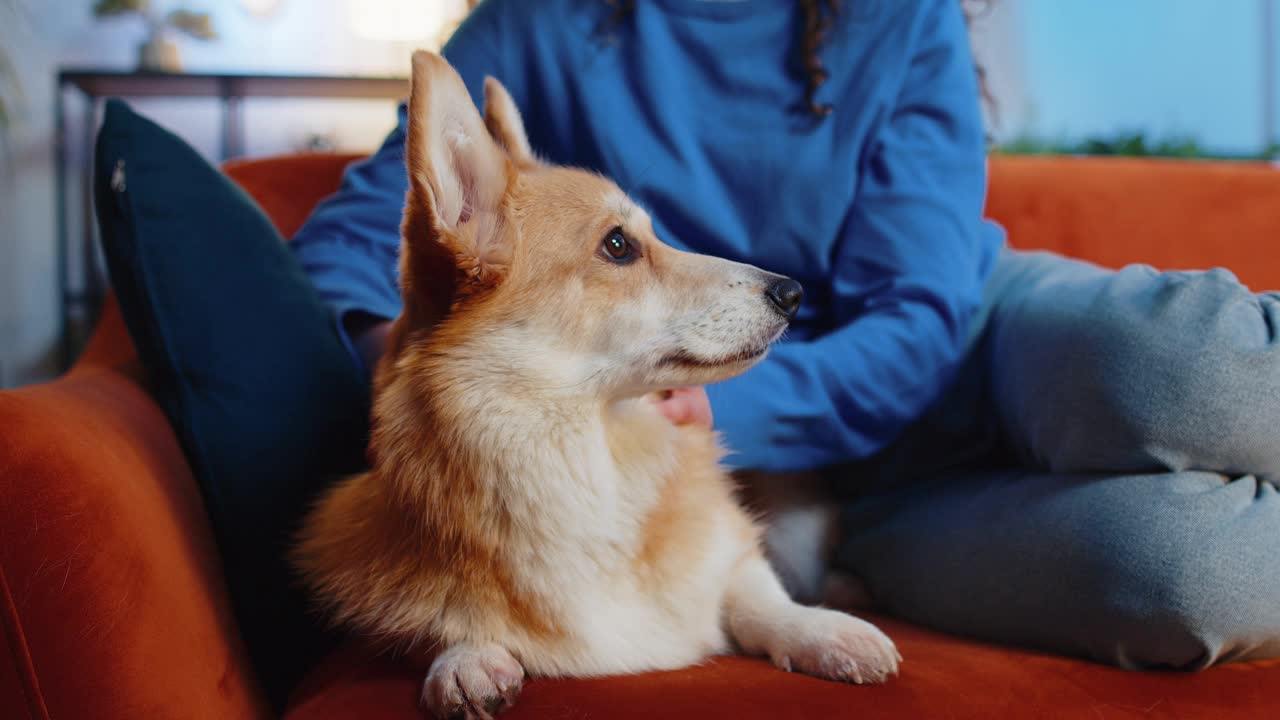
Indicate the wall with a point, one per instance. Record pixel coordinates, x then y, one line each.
998 46
304 36
1165 67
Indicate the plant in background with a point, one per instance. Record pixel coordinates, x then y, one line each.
12 12
1129 144
159 52
10 91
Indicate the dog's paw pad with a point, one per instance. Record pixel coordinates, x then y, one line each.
472 683
835 646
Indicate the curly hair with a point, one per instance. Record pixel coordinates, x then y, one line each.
816 17
815 21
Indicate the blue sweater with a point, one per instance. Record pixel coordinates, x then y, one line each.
695 108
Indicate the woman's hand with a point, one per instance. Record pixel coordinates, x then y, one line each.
685 406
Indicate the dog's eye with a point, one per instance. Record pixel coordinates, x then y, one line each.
617 248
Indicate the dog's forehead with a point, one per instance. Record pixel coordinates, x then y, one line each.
583 191
618 203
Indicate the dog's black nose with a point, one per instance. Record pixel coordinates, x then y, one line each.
786 295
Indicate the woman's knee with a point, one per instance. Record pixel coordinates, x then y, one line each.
1155 370
1171 571
1187 581
1180 623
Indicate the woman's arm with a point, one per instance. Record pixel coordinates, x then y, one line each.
909 280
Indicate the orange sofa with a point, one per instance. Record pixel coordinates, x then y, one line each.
112 604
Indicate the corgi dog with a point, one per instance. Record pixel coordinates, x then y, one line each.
528 510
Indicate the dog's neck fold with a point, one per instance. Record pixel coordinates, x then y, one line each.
550 460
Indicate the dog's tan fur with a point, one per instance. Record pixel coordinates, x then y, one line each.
527 508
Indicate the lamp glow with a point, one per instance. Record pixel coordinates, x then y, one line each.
404 20
260 8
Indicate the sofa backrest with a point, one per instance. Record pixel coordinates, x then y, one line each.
1173 214
289 186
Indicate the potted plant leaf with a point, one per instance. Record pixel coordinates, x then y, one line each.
11 11
159 53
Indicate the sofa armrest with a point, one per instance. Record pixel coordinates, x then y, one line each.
111 598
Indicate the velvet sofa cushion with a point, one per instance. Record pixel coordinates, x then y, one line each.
243 358
942 677
112 602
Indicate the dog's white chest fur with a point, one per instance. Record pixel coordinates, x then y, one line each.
621 604
616 627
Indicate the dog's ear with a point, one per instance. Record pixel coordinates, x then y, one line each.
503 120
454 165
454 237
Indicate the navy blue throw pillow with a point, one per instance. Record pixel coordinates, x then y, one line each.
244 359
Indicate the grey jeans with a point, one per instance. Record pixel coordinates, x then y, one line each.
1100 478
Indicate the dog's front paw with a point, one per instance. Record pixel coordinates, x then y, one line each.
834 646
475 683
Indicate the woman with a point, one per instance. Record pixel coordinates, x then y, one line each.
1037 451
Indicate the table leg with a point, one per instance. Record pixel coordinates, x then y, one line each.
94 281
232 125
63 239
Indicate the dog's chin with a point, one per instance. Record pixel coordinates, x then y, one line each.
702 370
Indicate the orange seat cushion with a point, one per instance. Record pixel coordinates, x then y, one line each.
942 677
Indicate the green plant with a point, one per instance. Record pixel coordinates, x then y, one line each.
1126 143
196 24
12 12
8 78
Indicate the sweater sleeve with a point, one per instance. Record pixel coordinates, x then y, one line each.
909 274
350 244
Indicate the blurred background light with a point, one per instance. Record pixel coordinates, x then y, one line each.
403 20
260 8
